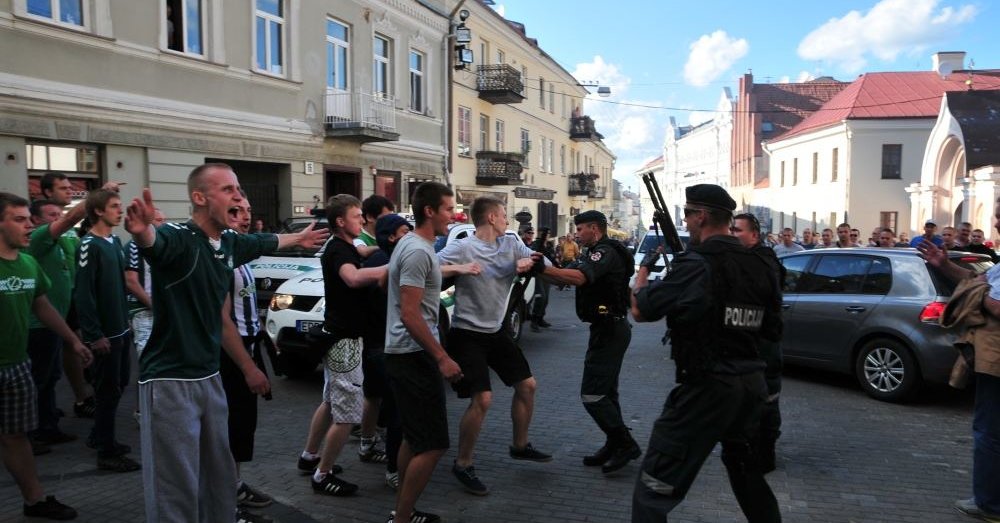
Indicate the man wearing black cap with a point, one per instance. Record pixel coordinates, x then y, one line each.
720 299
601 278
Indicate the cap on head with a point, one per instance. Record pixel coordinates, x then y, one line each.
930 223
591 217
711 196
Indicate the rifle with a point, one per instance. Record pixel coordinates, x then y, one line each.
661 220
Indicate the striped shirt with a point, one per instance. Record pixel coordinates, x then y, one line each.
135 262
244 296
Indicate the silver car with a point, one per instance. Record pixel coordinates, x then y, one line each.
873 313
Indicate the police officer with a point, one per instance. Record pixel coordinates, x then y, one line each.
719 299
602 299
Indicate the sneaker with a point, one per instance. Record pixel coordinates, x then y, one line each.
243 516
467 477
970 508
333 486
49 508
530 454
392 480
247 496
85 408
372 455
308 466
119 450
118 464
55 438
416 517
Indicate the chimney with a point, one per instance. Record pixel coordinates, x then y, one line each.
945 62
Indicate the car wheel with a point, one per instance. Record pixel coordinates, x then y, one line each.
514 322
297 366
886 370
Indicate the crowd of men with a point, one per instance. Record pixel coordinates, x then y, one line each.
181 296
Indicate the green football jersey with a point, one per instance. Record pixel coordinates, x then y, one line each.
99 293
51 254
21 281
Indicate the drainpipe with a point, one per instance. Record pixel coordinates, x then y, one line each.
449 112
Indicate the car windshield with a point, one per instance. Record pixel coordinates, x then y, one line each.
652 240
946 286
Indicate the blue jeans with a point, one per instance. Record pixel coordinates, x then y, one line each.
986 444
45 351
111 374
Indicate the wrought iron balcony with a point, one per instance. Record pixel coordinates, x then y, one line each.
360 116
498 168
582 184
582 129
500 84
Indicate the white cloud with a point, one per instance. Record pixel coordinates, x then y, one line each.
711 55
888 29
785 79
805 76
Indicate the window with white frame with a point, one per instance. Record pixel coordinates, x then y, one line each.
338 46
541 154
524 81
525 145
380 66
541 93
484 132
464 130
501 135
417 65
185 26
552 99
68 12
562 159
501 57
269 32
552 156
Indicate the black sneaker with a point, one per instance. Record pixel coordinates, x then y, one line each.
333 486
246 496
243 516
372 455
85 408
416 517
49 508
308 466
621 456
467 477
530 454
118 464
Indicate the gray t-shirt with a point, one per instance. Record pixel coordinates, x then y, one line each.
413 264
481 301
781 248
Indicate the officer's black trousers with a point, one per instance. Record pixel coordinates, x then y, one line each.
719 408
609 338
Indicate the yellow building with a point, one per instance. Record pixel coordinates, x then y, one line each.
517 127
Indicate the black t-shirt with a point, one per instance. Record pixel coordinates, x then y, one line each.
345 307
378 302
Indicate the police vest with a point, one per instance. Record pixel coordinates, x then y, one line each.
744 305
608 296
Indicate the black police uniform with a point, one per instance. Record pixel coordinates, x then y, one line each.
719 299
770 351
604 302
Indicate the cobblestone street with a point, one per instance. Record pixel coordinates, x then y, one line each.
842 457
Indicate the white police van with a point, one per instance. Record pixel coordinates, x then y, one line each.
650 241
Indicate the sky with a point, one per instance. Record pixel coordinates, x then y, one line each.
667 58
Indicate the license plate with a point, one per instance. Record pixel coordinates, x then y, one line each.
306 325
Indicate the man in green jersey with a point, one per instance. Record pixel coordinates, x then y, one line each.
100 299
188 470
23 289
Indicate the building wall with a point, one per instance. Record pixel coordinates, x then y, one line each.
551 122
115 84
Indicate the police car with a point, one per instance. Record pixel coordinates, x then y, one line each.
650 241
298 304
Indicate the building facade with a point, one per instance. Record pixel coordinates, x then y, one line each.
519 132
303 99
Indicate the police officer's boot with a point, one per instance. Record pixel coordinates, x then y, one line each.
625 450
600 457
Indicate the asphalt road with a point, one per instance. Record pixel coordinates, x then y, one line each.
842 457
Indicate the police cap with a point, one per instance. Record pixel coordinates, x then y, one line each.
709 195
591 217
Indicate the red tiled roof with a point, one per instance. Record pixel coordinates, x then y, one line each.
652 163
785 105
890 95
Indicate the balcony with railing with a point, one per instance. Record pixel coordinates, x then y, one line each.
582 184
582 129
360 116
498 168
500 84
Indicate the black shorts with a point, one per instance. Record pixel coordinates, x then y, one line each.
242 407
478 352
416 385
375 384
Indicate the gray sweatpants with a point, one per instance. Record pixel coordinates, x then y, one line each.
188 474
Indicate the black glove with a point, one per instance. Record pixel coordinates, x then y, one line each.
650 259
539 266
